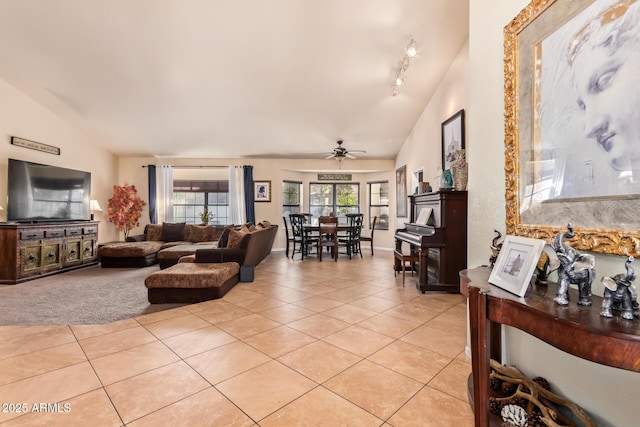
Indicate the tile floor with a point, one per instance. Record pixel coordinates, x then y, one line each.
306 343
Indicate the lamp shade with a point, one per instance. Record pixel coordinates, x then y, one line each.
94 206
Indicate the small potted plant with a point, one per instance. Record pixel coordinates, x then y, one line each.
206 216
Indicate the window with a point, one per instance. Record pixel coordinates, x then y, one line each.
336 199
291 196
379 204
191 198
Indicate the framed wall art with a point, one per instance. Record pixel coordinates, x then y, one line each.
452 138
401 192
261 191
516 263
572 123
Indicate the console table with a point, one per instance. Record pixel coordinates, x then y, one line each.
30 251
579 331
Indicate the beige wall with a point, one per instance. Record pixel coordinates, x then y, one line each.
275 170
21 116
422 150
609 394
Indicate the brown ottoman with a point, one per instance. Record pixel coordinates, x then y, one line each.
192 282
170 256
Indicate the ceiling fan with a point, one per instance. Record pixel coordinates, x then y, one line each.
340 153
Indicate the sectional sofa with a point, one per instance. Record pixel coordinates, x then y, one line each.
211 272
142 250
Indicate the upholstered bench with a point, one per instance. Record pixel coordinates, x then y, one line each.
192 282
170 256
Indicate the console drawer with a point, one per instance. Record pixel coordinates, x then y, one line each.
74 231
54 233
31 234
90 230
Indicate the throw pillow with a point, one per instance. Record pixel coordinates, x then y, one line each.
224 237
235 237
172 232
198 233
266 224
154 232
215 231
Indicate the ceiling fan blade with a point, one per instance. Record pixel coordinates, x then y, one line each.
331 156
357 151
349 156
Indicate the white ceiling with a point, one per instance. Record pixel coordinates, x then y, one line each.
234 78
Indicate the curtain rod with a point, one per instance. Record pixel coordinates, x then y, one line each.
194 167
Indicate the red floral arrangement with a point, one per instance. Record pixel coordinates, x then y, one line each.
125 208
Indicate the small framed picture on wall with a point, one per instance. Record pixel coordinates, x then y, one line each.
261 191
452 138
401 192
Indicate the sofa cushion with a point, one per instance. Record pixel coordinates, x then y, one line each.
191 275
154 232
224 237
172 232
235 237
217 230
198 233
129 249
220 255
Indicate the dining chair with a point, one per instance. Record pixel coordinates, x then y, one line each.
328 236
298 234
370 237
352 239
289 238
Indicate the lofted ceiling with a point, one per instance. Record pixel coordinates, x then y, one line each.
228 79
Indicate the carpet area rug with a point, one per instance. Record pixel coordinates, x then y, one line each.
87 296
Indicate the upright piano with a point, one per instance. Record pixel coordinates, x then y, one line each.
441 243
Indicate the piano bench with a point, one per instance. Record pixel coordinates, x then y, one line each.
403 258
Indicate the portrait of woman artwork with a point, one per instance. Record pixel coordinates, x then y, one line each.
572 122
588 102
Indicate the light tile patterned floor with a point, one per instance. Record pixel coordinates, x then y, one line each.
307 343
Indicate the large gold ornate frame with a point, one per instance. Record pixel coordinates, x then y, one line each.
604 240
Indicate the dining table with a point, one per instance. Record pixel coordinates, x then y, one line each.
311 228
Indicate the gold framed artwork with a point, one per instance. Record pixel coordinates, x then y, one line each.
261 191
572 122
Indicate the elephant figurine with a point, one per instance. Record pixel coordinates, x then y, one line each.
620 293
495 248
573 268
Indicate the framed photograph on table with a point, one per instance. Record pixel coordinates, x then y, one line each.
571 141
452 138
261 191
516 263
401 192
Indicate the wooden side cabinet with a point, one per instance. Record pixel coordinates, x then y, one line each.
30 251
576 330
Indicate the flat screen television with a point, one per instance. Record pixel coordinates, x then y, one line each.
44 193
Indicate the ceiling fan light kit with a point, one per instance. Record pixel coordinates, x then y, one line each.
340 153
403 66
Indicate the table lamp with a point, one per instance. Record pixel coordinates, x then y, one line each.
94 206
